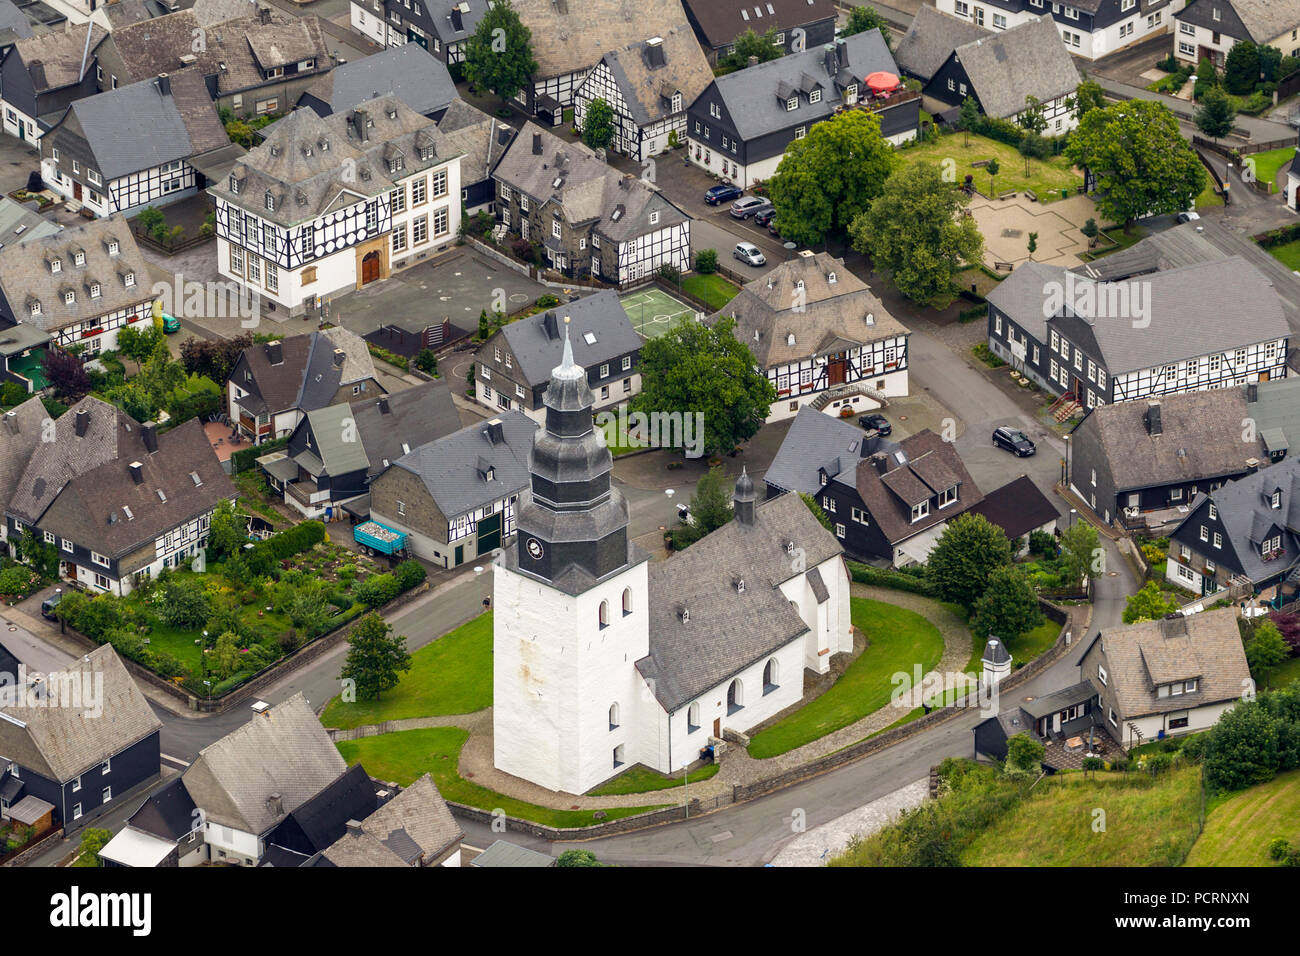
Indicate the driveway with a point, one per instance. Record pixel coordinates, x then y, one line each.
17 160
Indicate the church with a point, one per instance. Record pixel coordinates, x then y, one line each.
603 660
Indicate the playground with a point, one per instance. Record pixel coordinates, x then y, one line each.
653 311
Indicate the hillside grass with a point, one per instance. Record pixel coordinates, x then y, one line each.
1239 828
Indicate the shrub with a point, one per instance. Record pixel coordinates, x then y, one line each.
1158 763
378 590
18 580
889 578
1042 543
1194 747
670 273
522 249
546 301
408 574
1119 763
1278 848
706 261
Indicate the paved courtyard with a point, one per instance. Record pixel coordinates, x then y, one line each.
1007 223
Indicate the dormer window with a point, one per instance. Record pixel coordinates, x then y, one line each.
79 258
677 103
792 104
815 96
112 247
489 473
832 279
69 297
36 308
234 183
392 114
270 202
94 290
1275 499
275 150
740 585
56 266
128 280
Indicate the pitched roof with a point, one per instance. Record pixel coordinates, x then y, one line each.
480 139
13 23
61 55
414 826
1266 20
167 813
930 40
409 71
570 36
918 468
817 441
1027 60
415 415
107 510
599 317
20 432
61 742
798 300
1205 646
138 127
452 468
582 186
1276 409
754 98
728 629
1018 507
1200 437
27 276
307 375
721 21
503 853
20 224
455 20
324 818
648 74
283 752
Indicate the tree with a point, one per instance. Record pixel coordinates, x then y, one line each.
65 373
1024 755
1241 69
864 18
484 327
1143 165
1079 547
1243 748
965 556
499 56
696 369
706 261
227 532
1270 62
1007 608
137 342
225 657
598 124
916 231
1148 605
830 176
992 169
94 839
750 44
1265 651
710 508
1216 114
1088 96
214 358
1090 230
1033 245
818 512
183 604
577 858
1032 117
375 657
427 361
1033 146
969 118
43 558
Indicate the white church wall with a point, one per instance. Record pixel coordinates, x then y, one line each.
828 623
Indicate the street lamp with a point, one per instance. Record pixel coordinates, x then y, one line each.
1073 512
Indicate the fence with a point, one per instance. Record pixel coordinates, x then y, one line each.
1245 149
1214 174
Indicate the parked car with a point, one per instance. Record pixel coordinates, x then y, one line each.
1014 441
721 193
749 254
170 323
771 228
49 604
877 421
1188 216
764 217
747 206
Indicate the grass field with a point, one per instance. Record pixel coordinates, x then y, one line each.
641 779
1269 162
1289 671
1032 643
1046 177
405 756
1288 254
712 288
1148 822
653 311
452 675
899 639
1238 830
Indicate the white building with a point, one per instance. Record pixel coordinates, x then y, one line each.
1209 29
1090 28
327 205
597 662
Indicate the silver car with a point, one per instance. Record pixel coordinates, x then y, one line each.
749 254
746 206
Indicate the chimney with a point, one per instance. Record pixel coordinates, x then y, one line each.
83 422
36 70
495 433
264 15
1154 426
354 827
551 325
841 52
275 805
149 435
383 405
537 144
360 120
274 352
1252 392
164 85
1252 465
831 58
881 463
339 356
137 472
11 422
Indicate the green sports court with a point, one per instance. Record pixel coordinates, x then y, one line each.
653 311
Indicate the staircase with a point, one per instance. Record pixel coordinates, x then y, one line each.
1135 733
1063 408
848 391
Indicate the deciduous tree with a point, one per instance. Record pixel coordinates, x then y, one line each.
970 549
864 18
1216 114
1148 604
376 657
598 124
499 56
1007 608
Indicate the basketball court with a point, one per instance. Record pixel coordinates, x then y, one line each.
653 311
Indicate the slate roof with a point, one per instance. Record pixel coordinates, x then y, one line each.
572 35
1276 409
1265 19
307 377
416 76
814 441
415 825
827 317
931 465
1206 646
450 467
468 15
182 480
930 40
751 95
995 652
480 139
13 23
20 433
1018 507
1201 437
721 21
60 54
25 274
590 192
283 751
62 742
320 821
136 127
167 813
415 415
503 853
537 354
313 164
728 629
648 88
1027 60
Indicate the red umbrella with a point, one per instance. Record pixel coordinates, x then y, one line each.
882 82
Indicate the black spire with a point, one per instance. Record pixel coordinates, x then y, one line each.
575 519
743 500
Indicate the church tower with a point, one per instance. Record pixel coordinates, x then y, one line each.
571 611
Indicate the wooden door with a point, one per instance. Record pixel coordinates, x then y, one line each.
835 370
717 727
1263 376
76 191
370 267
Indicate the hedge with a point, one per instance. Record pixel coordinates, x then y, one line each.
1280 236
245 459
299 538
913 582
1011 133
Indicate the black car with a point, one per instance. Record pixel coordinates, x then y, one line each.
50 604
1013 440
721 193
879 422
763 217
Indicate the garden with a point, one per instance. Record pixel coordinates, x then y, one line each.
1045 177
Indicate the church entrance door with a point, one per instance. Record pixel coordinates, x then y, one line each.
717 727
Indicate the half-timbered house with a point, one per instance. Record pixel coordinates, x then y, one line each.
439 26
796 25
1209 29
41 76
79 287
1089 28
821 336
331 204
740 126
85 157
648 85
590 219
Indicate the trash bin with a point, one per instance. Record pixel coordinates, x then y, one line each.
1065 194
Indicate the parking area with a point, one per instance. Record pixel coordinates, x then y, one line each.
17 160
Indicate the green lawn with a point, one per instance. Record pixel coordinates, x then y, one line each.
1289 671
405 756
1288 254
712 289
1269 162
898 640
1029 645
1238 830
641 779
1207 196
452 675
1046 177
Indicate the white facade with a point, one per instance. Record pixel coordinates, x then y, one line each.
156 186
880 367
1090 44
1192 41
637 142
19 124
1198 718
830 630
368 20
608 395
